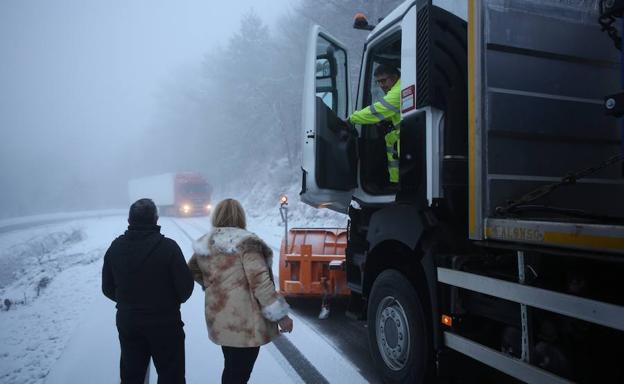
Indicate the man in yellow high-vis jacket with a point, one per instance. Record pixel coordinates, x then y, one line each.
389 108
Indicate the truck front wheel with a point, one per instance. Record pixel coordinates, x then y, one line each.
397 334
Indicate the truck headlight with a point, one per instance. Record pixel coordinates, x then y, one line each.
186 208
208 207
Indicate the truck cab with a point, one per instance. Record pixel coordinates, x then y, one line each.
341 164
346 169
462 258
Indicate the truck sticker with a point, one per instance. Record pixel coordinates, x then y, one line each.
515 233
408 99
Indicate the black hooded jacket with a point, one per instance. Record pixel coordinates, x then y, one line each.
145 272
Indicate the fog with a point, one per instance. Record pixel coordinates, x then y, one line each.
82 82
95 93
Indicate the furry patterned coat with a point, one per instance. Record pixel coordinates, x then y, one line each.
242 305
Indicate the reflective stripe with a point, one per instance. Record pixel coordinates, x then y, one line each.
391 150
391 107
392 140
377 114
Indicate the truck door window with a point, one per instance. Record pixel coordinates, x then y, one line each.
331 76
374 175
323 77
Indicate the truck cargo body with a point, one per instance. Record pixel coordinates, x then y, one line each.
478 263
183 193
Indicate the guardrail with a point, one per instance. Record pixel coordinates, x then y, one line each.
12 224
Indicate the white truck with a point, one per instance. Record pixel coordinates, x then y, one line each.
499 257
181 194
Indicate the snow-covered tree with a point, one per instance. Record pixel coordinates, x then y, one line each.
245 109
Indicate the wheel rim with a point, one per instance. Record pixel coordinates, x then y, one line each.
393 337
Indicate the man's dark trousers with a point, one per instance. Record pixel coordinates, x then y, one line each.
142 337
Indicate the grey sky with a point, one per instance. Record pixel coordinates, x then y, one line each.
79 76
75 56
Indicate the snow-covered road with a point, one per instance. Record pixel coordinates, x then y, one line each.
66 333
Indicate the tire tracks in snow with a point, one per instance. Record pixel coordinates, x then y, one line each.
184 232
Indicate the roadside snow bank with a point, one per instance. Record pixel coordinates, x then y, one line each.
23 222
28 266
259 191
57 277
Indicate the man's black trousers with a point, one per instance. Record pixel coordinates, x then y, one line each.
239 363
158 337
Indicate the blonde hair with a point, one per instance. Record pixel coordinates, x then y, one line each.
229 213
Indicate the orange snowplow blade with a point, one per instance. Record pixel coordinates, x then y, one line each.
313 265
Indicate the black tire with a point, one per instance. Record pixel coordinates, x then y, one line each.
397 331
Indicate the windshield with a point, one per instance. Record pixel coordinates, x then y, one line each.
195 189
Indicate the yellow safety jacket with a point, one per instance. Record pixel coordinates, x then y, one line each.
387 108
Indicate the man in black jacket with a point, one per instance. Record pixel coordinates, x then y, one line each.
145 273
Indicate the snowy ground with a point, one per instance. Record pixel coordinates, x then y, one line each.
57 327
42 317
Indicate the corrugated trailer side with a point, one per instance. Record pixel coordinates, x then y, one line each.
539 298
539 72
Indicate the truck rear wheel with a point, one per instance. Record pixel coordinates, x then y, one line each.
397 334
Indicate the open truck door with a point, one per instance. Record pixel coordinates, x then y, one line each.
329 145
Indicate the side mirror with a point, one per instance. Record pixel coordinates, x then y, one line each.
323 69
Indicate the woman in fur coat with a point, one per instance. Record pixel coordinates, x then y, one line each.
243 309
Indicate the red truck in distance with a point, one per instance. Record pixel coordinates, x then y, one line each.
175 194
